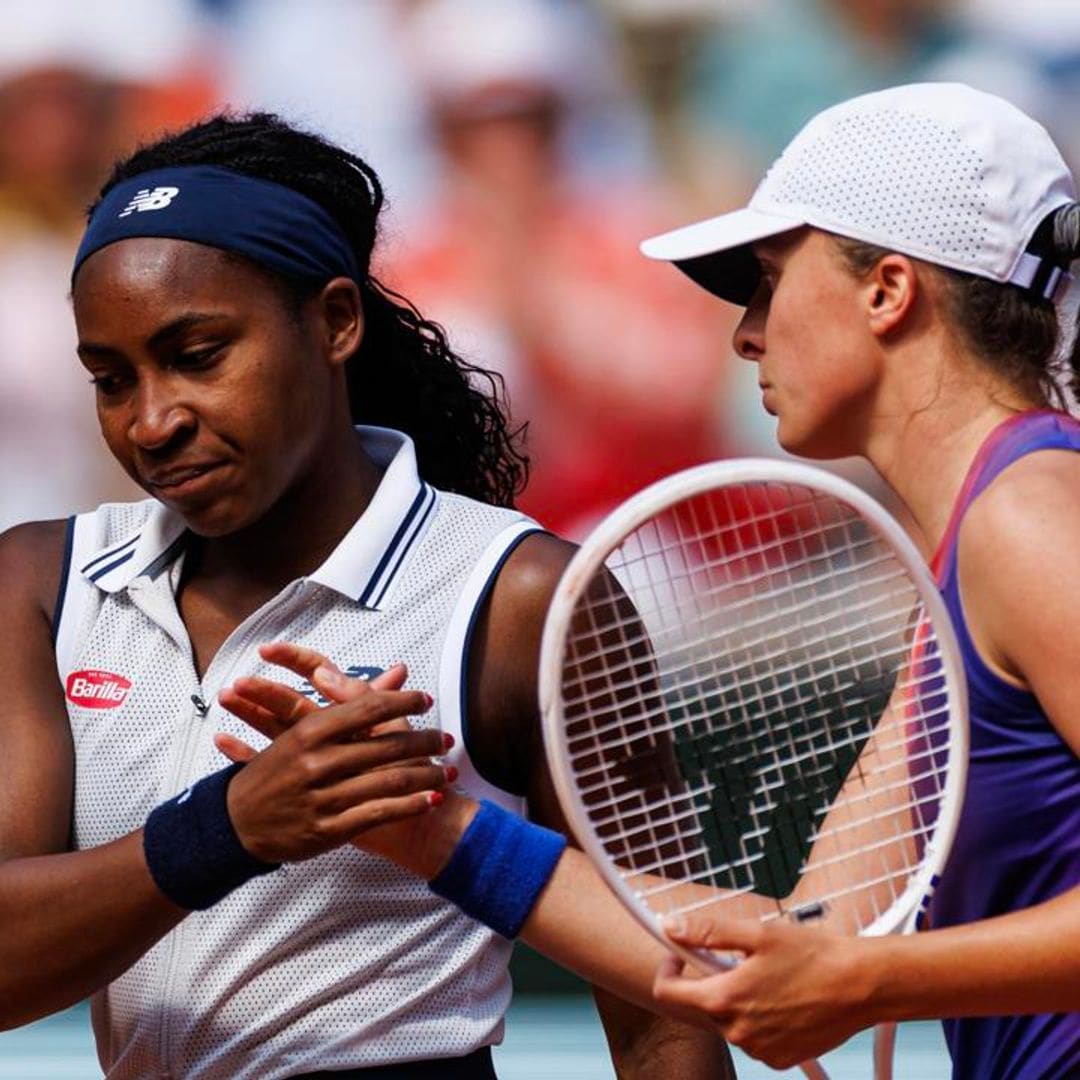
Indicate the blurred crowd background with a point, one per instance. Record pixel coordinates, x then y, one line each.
527 146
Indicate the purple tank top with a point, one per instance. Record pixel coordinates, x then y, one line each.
1018 841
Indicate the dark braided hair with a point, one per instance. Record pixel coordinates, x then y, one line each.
404 375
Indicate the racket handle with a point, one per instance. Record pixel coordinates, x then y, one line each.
884 1050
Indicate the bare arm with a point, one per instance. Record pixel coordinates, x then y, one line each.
577 921
69 921
802 990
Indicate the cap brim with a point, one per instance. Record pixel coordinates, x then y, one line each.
716 253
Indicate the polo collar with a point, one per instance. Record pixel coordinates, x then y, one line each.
372 554
364 566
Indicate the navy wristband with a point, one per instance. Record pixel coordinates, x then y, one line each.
499 867
192 849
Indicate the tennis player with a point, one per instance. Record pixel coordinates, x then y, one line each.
902 267
234 335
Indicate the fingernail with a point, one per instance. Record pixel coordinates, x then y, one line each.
435 798
451 773
429 699
675 925
447 740
328 676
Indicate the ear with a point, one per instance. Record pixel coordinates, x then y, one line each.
891 289
342 318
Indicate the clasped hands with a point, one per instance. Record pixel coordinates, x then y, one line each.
356 772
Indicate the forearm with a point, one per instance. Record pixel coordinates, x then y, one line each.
645 1046
1024 962
70 923
578 923
576 920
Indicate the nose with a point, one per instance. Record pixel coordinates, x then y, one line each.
159 417
749 336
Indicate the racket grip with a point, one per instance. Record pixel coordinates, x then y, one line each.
499 867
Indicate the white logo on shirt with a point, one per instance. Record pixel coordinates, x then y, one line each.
145 199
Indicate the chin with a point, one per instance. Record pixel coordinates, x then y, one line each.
213 521
814 445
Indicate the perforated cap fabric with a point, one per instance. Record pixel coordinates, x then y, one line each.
938 171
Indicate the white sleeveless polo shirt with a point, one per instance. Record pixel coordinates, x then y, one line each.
342 961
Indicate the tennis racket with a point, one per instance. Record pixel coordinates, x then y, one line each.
753 703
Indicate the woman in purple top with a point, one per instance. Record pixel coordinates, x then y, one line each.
900 266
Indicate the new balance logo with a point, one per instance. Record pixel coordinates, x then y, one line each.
356 671
145 199
97 689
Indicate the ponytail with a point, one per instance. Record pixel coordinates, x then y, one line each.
1065 249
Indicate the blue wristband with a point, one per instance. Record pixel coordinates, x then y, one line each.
499 868
192 849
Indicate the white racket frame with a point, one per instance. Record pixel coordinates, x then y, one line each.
902 914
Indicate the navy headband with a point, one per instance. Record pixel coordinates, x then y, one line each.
266 222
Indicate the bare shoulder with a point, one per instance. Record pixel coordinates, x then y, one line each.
1032 508
517 608
531 574
1017 552
32 564
35 740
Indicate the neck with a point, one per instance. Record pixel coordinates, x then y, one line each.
954 426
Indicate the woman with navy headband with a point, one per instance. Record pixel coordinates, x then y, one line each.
216 912
902 267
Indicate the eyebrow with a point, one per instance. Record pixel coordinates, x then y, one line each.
174 329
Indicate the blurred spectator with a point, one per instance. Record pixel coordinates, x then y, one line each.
71 97
52 123
662 43
335 67
617 366
764 73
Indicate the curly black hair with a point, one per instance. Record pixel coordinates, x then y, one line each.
404 374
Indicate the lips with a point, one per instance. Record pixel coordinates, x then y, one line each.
179 478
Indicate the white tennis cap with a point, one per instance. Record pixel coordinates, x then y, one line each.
938 171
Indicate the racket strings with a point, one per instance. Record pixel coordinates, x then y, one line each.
724 690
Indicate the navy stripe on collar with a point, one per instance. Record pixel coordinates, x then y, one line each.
113 565
406 547
101 557
387 567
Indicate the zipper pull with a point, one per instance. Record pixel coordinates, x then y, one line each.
200 706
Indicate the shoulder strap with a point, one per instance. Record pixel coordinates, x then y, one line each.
453 691
75 591
1045 429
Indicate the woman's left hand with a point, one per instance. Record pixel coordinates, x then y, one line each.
797 992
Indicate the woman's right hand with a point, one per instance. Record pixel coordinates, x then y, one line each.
330 774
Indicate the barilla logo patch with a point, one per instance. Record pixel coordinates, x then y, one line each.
97 689
145 199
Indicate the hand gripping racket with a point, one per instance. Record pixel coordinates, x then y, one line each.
754 704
